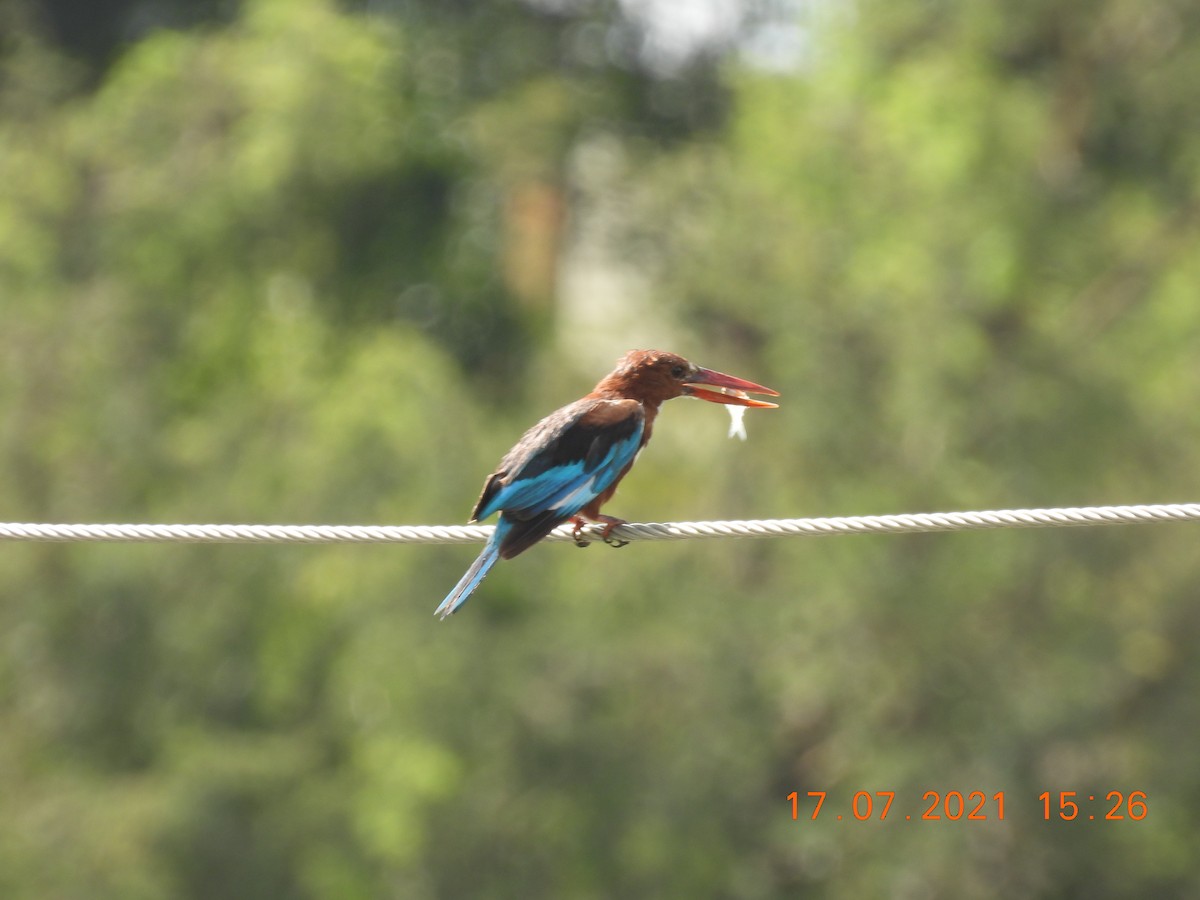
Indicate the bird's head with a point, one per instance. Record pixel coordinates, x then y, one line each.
657 376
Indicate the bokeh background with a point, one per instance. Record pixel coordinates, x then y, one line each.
301 261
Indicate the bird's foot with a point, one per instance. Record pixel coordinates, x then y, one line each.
610 522
577 533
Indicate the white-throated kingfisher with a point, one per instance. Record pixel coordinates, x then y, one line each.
570 463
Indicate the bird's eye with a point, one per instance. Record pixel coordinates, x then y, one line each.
678 370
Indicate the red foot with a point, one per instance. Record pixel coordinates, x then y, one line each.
610 522
579 522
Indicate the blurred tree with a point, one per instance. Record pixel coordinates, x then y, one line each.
279 268
193 295
964 237
504 92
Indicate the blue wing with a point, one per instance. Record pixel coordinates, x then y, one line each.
559 466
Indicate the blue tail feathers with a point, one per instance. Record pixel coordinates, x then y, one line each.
470 580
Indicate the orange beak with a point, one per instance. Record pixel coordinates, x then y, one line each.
717 387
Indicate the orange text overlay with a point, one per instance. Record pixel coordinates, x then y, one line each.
969 806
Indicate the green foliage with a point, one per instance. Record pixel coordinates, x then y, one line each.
258 273
955 275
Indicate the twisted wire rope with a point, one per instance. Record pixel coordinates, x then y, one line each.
633 531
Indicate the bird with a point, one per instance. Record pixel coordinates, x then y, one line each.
569 464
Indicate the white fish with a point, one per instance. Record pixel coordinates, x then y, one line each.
737 421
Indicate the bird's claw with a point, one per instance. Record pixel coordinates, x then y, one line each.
606 534
577 534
